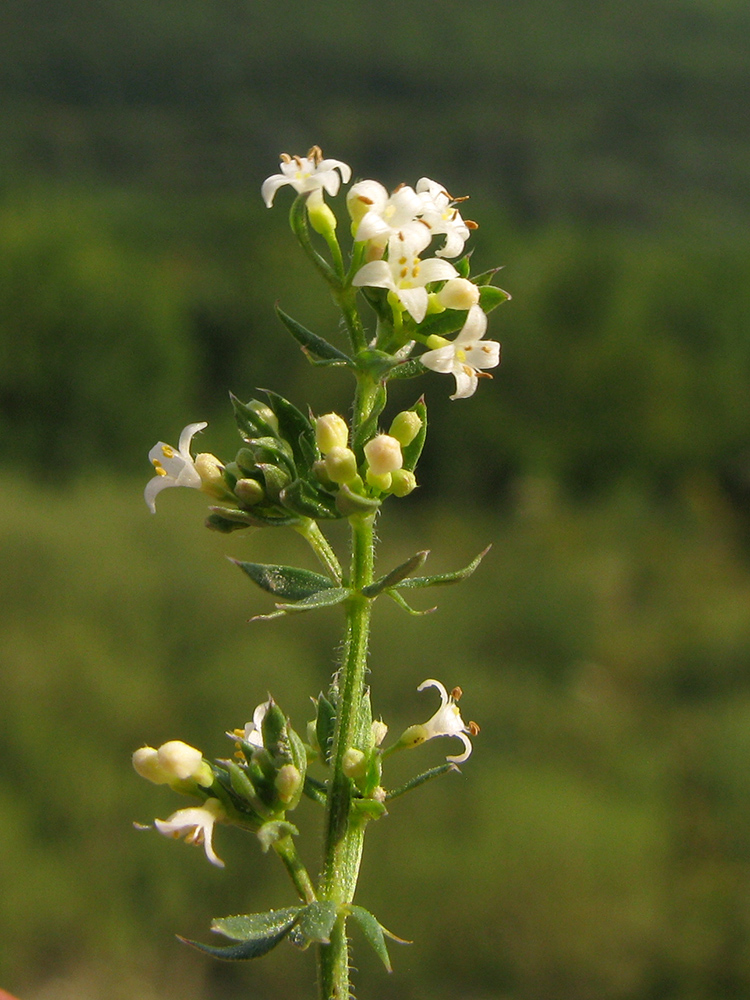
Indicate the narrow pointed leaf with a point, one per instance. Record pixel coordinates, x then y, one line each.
420 779
325 724
256 926
311 343
490 297
443 324
407 369
292 424
373 933
304 499
398 599
284 581
441 579
369 427
317 920
413 450
485 277
350 503
322 599
261 939
396 575
248 421
254 519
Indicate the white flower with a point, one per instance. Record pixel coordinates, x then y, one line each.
405 274
439 212
196 825
447 720
173 467
466 356
253 731
306 174
378 217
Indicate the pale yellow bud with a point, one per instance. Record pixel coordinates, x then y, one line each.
383 454
288 781
211 471
179 761
403 482
405 427
458 293
331 431
353 763
341 465
146 763
379 730
249 491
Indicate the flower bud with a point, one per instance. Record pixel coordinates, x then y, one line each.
180 762
405 427
379 730
458 293
353 763
382 482
331 431
211 471
249 491
146 763
383 454
265 413
403 482
341 465
321 217
288 782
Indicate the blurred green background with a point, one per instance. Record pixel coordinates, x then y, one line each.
597 845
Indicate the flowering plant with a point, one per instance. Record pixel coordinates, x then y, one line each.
298 471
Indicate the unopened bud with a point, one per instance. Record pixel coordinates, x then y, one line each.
382 482
265 413
331 431
182 762
211 471
383 454
341 465
353 763
288 781
405 427
146 763
403 482
458 293
379 730
320 215
249 491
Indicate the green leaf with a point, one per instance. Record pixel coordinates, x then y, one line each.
413 450
396 575
215 522
373 933
311 343
274 479
443 324
398 599
256 926
443 578
254 519
375 363
325 724
485 277
250 424
463 265
284 581
317 920
350 503
369 427
407 369
420 779
293 425
322 599
273 830
490 297
304 499
261 932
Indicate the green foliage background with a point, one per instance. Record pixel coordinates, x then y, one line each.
597 843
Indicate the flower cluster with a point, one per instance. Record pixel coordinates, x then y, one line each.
391 232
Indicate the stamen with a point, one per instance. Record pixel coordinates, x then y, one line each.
474 729
471 225
483 375
167 451
285 158
315 153
456 693
365 200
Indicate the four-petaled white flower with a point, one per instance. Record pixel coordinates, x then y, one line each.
466 356
440 214
405 274
174 467
379 216
307 175
196 825
447 720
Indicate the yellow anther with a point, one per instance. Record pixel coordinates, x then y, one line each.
159 468
167 451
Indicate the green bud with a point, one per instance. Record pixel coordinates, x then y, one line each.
265 413
403 482
354 763
382 482
405 427
320 215
249 491
341 465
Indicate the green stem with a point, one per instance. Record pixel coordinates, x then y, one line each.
344 838
286 850
321 547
